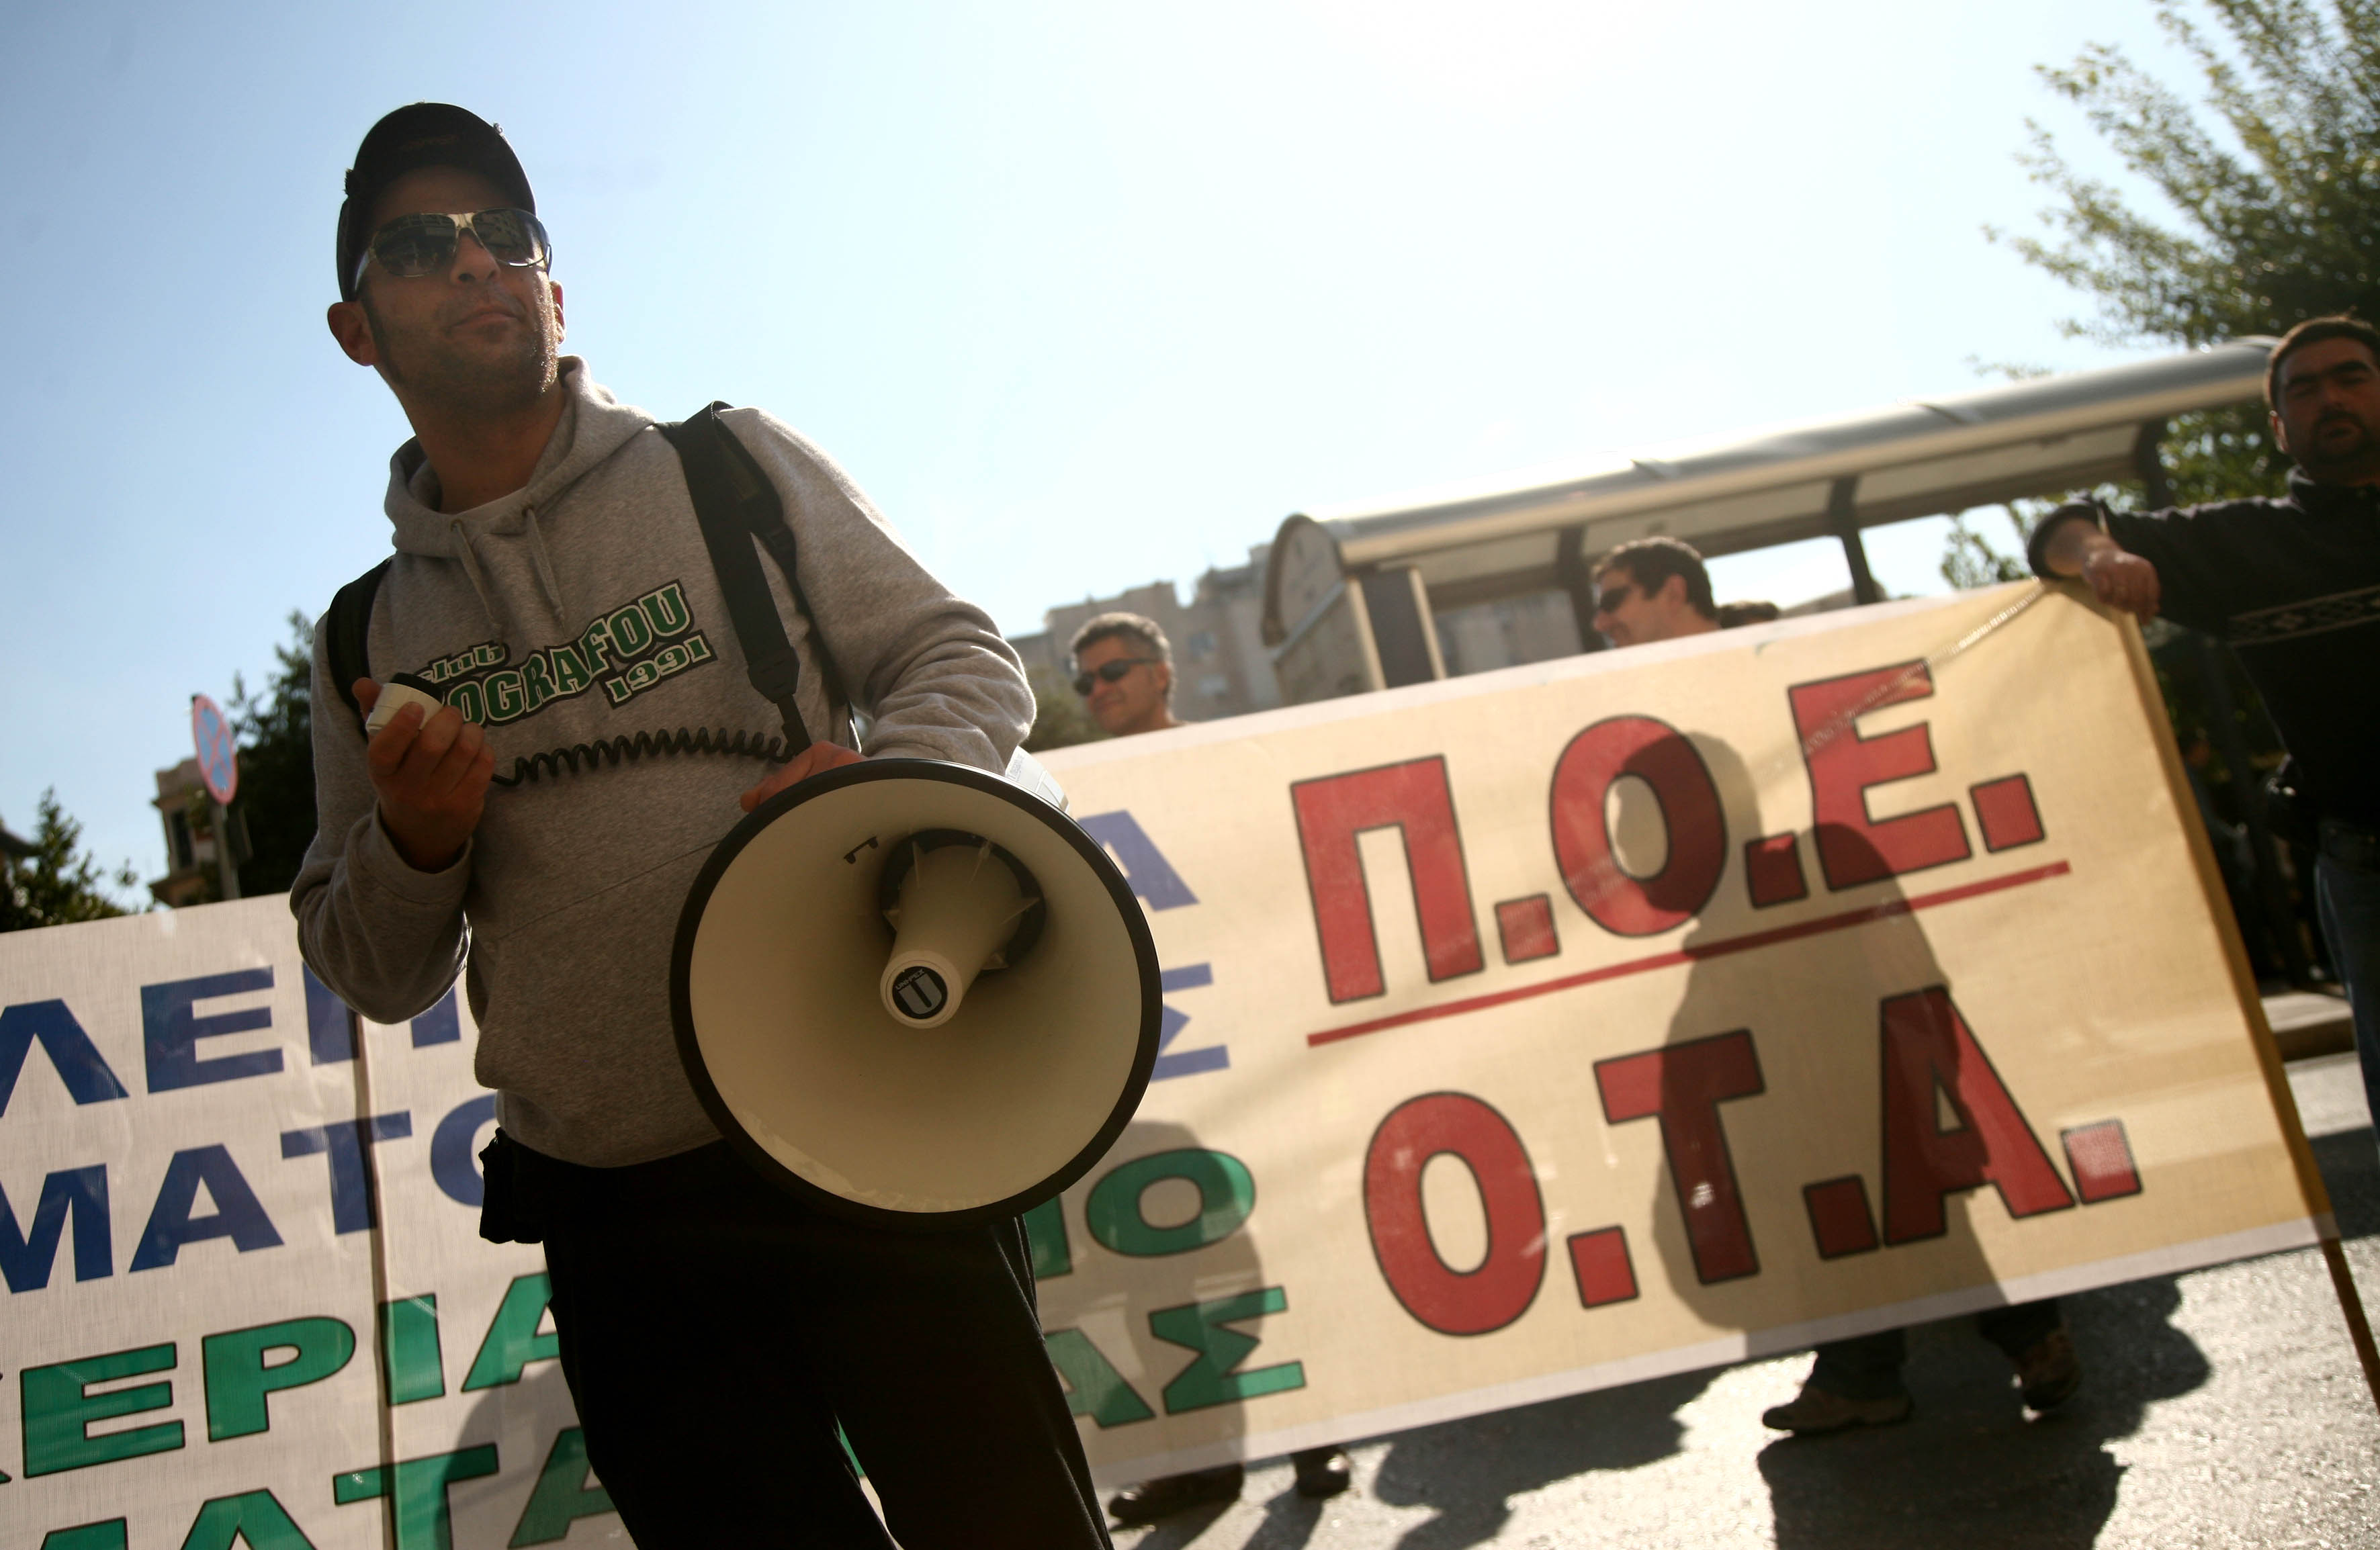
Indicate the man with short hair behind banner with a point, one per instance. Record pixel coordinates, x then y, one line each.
1649 589
551 583
1124 670
2294 585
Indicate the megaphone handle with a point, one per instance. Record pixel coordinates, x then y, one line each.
797 732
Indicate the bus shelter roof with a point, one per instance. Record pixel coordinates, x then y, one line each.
2046 435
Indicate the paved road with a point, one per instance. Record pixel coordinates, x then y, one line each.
2221 1408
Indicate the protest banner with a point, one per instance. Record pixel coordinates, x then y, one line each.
1640 1012
1526 1033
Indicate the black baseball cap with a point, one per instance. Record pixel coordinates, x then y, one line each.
421 135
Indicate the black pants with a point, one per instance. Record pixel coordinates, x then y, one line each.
1869 1366
714 1330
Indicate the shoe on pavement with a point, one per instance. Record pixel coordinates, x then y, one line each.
1322 1471
1815 1410
2049 1371
1152 1499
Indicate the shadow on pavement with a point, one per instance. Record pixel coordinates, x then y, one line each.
1175 1531
1468 1470
1970 1458
1289 1520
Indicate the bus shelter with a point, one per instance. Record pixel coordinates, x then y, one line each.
1351 593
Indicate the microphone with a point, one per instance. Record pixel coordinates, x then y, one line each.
401 690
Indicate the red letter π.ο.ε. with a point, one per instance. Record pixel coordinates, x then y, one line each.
1413 798
1852 848
1656 754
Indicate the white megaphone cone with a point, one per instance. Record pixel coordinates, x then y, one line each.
961 901
916 994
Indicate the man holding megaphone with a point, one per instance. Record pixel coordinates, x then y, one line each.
575 733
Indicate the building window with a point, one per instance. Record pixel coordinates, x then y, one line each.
1202 645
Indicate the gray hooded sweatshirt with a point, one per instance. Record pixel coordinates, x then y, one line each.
579 609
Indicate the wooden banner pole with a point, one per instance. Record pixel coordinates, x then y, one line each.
2359 1328
2268 1051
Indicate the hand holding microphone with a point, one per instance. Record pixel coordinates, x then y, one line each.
430 767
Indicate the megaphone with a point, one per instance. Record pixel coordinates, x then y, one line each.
913 994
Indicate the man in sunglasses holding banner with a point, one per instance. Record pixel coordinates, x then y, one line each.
551 586
1124 670
1650 589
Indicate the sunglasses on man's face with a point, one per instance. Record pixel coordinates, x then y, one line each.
1108 672
424 243
1609 599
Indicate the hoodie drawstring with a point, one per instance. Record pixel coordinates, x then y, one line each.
547 583
545 579
470 558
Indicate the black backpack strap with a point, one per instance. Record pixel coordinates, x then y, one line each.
764 513
350 626
734 501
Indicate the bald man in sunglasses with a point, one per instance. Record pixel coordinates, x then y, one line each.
551 583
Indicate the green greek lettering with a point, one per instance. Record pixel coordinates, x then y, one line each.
58 1409
410 1360
238 1377
512 1341
565 1492
1226 1195
1094 1388
255 1519
1045 1234
1213 1379
417 1489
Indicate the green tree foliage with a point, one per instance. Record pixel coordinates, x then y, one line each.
275 731
1970 558
2267 213
2270 185
55 885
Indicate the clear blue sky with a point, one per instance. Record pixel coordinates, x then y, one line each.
1085 295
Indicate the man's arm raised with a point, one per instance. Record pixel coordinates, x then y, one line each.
2073 545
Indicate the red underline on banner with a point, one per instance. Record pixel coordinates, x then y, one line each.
1842 922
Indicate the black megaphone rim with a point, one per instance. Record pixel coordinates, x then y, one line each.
759 1157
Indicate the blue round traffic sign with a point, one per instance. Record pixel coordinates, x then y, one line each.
218 756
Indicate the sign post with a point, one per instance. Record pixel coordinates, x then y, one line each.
219 769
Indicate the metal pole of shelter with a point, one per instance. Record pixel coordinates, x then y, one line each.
1571 571
1842 515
